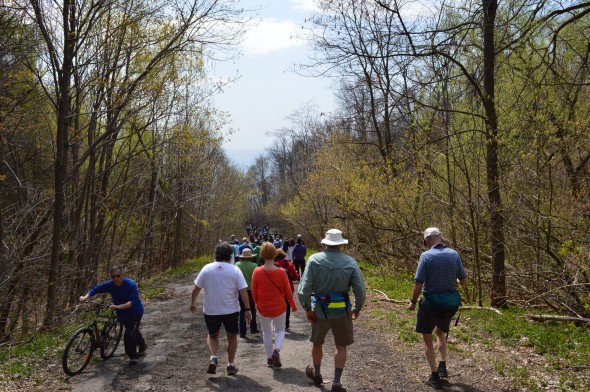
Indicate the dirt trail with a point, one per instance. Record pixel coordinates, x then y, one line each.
177 358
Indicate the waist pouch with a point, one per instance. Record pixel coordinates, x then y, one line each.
335 302
448 302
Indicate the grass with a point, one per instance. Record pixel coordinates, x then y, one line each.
564 346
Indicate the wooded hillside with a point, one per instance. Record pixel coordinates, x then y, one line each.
472 117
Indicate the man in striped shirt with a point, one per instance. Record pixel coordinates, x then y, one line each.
438 271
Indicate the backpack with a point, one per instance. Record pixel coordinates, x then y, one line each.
284 266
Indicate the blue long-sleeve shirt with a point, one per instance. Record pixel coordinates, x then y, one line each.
120 295
327 272
438 269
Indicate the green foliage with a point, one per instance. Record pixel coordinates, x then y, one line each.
23 359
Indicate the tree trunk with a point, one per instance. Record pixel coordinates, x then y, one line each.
60 169
498 294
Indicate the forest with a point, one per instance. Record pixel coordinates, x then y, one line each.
469 116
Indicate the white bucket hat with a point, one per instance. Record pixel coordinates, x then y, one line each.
334 237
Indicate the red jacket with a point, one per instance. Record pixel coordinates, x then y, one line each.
292 271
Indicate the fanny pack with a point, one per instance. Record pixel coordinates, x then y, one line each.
335 302
448 302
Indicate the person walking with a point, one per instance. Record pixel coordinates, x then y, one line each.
299 252
270 285
129 308
324 293
222 282
438 271
247 266
282 262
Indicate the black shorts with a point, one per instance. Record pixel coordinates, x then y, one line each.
231 323
428 319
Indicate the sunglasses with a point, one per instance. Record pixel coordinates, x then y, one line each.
115 276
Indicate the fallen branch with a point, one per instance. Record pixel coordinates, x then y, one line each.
552 317
481 308
387 299
403 302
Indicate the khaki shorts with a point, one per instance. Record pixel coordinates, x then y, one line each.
341 329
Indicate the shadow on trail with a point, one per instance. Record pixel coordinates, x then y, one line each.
461 387
292 376
297 336
239 382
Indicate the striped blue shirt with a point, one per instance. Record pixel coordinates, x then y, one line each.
438 269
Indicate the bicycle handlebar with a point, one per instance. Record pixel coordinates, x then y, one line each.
99 304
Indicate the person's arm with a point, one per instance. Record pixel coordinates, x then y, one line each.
359 290
292 270
133 299
254 285
416 290
98 289
195 294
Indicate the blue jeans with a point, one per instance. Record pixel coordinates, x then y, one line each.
253 327
132 336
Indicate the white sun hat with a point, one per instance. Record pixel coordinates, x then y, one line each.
334 237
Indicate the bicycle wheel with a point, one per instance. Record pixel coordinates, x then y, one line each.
111 335
78 352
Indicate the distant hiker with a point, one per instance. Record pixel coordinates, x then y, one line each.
270 285
282 262
299 252
129 308
324 294
245 244
247 265
436 277
221 282
289 251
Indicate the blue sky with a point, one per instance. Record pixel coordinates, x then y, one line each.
267 91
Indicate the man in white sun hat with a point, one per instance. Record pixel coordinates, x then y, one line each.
324 294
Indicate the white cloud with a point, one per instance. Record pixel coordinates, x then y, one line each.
304 5
270 35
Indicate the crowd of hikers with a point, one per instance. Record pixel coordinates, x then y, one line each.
251 283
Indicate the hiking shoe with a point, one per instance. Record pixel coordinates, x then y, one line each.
317 380
231 370
435 382
442 370
212 366
337 388
142 348
270 362
276 358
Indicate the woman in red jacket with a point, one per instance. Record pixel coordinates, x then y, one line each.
282 262
270 285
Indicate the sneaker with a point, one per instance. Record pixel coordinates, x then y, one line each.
243 336
133 361
435 382
270 362
231 370
142 348
442 370
254 332
337 388
212 366
276 358
317 380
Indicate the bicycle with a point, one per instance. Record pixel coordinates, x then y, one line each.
82 344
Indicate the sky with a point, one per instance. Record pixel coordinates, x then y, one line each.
267 91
